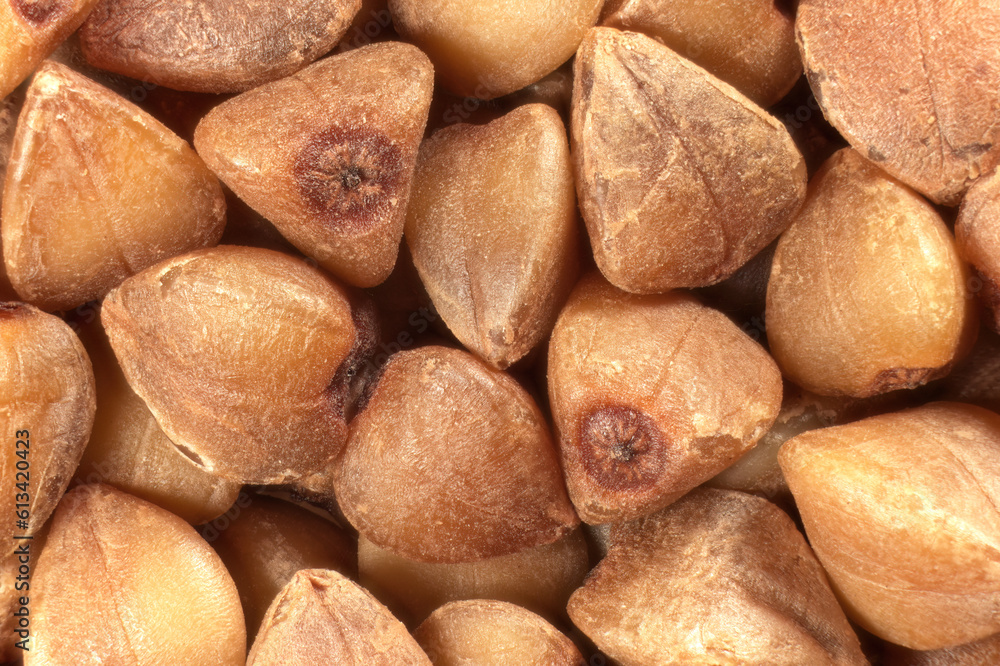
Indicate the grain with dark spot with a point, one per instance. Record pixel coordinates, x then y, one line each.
297 152
622 448
348 174
651 396
867 291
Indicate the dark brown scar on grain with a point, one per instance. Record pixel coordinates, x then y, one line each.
10 310
349 176
906 378
622 448
369 383
36 12
352 384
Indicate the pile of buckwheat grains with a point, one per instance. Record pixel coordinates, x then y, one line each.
499 332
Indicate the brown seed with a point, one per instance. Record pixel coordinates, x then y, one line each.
493 230
128 450
681 178
923 104
979 653
488 49
977 231
718 577
867 291
493 633
213 46
539 579
651 396
238 353
46 412
761 62
328 154
902 512
30 30
97 190
321 617
451 461
122 581
269 541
